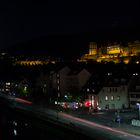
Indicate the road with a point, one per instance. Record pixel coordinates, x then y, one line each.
79 125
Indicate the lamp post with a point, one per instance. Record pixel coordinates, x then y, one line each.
58 96
138 104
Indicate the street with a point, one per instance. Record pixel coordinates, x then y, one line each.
84 125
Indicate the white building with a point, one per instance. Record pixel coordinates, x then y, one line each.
113 97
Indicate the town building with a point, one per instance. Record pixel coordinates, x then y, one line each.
108 91
76 79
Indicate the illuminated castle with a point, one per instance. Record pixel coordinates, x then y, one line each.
112 52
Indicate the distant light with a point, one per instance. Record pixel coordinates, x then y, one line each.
15 132
137 62
135 73
66 96
15 123
8 84
3 53
25 88
99 108
87 89
109 74
138 104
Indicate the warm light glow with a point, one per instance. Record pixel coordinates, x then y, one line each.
126 61
113 50
114 53
33 63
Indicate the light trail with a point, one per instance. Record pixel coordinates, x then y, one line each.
23 101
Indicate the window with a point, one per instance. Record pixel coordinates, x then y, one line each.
112 98
118 98
106 98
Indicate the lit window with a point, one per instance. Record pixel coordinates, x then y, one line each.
112 97
6 89
8 83
106 98
109 74
135 73
118 97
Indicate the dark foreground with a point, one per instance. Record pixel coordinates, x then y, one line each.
18 125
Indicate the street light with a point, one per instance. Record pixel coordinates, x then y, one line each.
58 96
138 104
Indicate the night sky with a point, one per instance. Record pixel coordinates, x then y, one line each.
26 20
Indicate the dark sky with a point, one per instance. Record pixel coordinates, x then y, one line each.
25 20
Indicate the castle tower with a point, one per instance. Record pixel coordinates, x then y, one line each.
92 48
